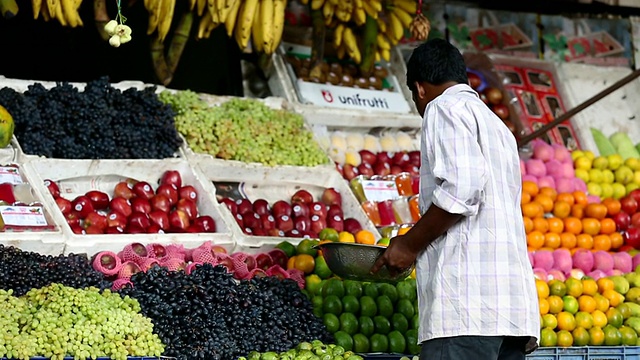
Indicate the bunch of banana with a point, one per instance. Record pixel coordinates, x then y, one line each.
399 16
64 11
9 8
160 16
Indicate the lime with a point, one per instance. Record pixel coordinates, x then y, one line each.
415 322
343 339
331 322
348 323
399 323
306 247
581 336
328 234
612 336
332 305
383 241
629 336
360 343
317 302
350 304
313 284
548 337
389 291
397 342
379 343
368 306
382 324
406 290
288 248
412 342
366 325
405 308
370 289
333 287
321 268
385 306
318 312
353 288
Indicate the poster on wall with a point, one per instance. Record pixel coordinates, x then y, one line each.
502 32
591 41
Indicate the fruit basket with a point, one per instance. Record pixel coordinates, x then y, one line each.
273 184
92 190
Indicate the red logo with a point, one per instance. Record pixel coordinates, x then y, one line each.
327 96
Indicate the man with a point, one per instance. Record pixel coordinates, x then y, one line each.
476 289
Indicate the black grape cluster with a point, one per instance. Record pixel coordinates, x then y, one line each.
100 122
207 315
22 271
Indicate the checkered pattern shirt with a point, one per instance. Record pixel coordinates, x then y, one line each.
476 279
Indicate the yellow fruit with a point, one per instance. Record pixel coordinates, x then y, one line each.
602 303
596 336
599 319
543 304
574 287
543 289
555 304
305 263
587 303
589 287
565 339
6 127
346 237
584 320
549 321
365 237
566 321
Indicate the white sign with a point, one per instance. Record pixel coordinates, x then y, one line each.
353 98
23 215
10 175
380 190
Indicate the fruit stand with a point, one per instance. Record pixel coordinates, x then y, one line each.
144 222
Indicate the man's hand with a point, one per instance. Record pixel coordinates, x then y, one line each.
398 256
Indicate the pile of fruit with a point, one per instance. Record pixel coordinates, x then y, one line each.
244 130
551 166
136 208
335 73
100 122
607 176
307 350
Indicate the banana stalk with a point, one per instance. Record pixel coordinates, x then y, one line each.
369 46
319 32
165 66
101 17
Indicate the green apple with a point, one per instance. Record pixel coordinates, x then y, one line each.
590 155
624 175
633 252
383 241
608 176
583 163
600 162
583 174
619 191
633 163
595 189
615 161
576 154
607 190
636 177
631 186
595 176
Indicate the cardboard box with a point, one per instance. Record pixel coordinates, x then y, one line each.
540 80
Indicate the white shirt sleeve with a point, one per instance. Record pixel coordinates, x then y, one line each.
455 158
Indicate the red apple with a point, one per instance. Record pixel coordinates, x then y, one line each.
189 207
263 261
335 210
635 220
284 223
501 110
116 219
335 222
160 218
154 229
251 220
250 261
179 219
172 178
395 170
331 196
414 158
77 229
123 190
302 196
382 168
95 220
317 223
318 208
268 222
474 80
349 171
632 237
352 225
261 207
72 218
239 219
368 157
494 95
99 200
625 248
141 205
635 194
400 158
366 169
230 204
207 223
64 205
94 230
258 232
300 209
193 228
310 235
484 98
143 190
114 230
135 229
160 202
121 205
279 258
169 191
384 157
139 219
53 188
411 169
302 223
188 192
244 206
82 206
629 205
280 208
293 233
622 220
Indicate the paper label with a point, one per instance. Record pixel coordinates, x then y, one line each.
380 190
80 185
23 215
10 175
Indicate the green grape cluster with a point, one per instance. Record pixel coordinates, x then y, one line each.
58 321
244 130
314 350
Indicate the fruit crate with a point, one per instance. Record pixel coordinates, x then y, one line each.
97 175
104 358
279 183
587 353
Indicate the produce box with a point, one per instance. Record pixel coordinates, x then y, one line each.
11 153
253 182
77 177
587 353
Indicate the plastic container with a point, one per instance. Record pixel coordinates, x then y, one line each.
143 170
280 183
587 353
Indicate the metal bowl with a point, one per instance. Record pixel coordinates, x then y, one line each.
354 262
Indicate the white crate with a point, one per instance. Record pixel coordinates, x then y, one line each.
280 183
142 170
11 153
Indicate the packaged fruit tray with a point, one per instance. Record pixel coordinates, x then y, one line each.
110 203
268 197
587 353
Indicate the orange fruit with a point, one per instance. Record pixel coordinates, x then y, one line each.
555 304
545 200
365 237
550 192
565 338
541 224
590 226
584 241
614 297
525 199
599 318
542 288
587 303
535 239
528 224
613 206
543 304
577 211
616 240
607 226
530 188
291 263
553 240
596 211
566 197
561 209
568 240
573 225
556 225
566 321
580 197
589 287
602 242
604 284
305 263
602 303
532 210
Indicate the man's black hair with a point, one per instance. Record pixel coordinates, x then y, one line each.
436 62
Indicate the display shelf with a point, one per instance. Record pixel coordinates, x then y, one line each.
81 176
587 353
278 183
